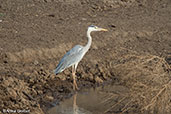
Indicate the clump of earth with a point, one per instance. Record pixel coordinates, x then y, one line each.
134 53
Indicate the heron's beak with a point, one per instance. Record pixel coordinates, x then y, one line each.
102 29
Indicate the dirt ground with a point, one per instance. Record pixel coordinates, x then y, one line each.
135 52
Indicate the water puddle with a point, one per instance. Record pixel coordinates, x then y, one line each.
91 101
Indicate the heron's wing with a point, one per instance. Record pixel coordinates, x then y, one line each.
71 57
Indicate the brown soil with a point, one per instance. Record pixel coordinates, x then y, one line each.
135 52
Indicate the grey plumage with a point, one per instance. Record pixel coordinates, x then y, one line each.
74 56
70 58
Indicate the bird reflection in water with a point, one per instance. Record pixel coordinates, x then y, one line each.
76 108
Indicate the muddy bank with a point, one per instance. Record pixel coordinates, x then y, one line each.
146 76
135 53
91 100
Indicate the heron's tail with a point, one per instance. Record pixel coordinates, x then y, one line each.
55 72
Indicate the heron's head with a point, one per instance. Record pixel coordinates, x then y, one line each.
95 28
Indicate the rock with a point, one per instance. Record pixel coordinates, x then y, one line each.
83 19
36 62
12 92
48 98
39 92
91 77
31 80
98 80
26 73
34 91
94 47
61 77
8 81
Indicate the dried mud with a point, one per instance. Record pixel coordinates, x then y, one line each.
135 52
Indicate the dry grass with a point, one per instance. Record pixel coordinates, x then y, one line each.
148 78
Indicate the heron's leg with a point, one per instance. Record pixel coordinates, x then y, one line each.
75 108
74 77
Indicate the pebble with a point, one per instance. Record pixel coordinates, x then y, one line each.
36 62
40 92
98 80
61 77
49 98
12 92
26 74
83 19
90 77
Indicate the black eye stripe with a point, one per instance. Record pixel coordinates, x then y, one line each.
91 26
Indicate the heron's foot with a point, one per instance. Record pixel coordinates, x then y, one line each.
75 87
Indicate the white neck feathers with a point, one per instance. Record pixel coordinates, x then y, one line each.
89 40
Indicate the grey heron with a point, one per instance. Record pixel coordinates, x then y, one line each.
74 56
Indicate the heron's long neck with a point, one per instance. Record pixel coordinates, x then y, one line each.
89 40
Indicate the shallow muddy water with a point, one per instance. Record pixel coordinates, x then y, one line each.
91 101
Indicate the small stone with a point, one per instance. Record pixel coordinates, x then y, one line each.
94 47
40 92
12 93
61 77
101 69
34 92
91 78
88 77
26 74
98 80
36 62
83 19
35 72
49 98
31 80
2 104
